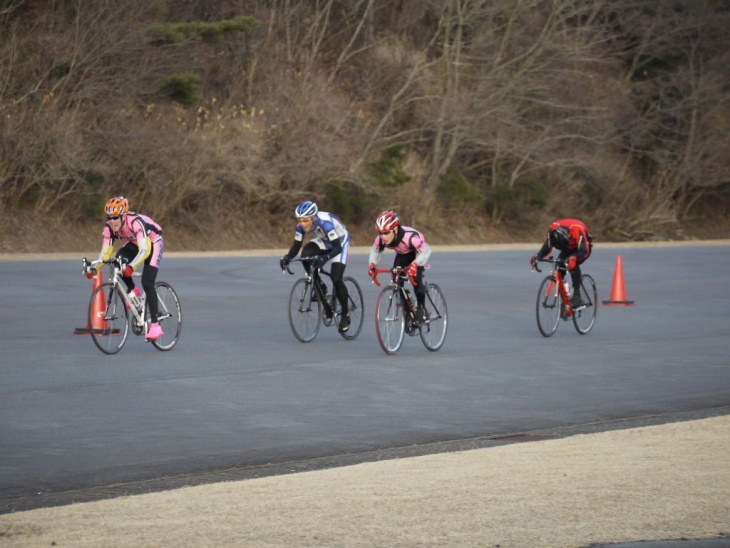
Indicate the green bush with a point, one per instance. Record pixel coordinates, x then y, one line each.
171 33
454 191
183 88
339 200
349 202
518 202
388 170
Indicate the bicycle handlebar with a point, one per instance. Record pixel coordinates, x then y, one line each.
551 260
298 260
119 262
394 272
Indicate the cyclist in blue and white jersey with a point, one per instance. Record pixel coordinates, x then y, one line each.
331 242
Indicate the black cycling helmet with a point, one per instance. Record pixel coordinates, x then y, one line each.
559 237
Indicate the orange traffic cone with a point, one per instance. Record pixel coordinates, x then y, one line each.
618 291
98 323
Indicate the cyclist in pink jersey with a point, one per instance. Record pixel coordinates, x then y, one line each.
411 252
143 246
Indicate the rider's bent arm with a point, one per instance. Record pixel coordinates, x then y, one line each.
144 245
294 249
375 254
336 248
424 252
545 249
582 248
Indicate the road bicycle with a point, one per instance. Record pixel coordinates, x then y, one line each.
395 313
312 304
118 313
553 300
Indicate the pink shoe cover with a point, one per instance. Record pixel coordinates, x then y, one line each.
154 333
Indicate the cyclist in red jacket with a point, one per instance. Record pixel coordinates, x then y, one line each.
572 239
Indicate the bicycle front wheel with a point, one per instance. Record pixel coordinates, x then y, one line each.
390 320
169 316
108 321
305 315
433 329
549 306
584 318
354 309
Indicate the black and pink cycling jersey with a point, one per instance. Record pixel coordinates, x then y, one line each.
408 240
139 230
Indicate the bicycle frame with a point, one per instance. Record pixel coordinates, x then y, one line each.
397 283
117 266
395 313
305 319
120 315
559 281
328 307
553 303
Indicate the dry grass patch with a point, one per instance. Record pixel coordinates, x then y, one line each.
656 482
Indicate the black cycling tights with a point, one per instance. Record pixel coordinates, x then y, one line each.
403 261
337 271
149 277
575 274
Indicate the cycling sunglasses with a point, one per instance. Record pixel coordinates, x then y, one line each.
113 217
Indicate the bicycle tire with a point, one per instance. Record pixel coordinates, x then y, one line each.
169 317
355 309
585 317
112 321
433 330
305 315
390 323
548 307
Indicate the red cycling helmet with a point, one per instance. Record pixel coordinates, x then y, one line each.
387 221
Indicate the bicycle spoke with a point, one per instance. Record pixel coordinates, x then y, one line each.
304 315
169 316
548 307
389 320
585 317
354 309
109 325
433 330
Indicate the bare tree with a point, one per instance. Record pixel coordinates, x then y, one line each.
677 71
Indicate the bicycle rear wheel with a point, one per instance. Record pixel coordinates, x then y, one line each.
169 316
109 321
390 321
354 309
433 330
304 314
549 306
584 318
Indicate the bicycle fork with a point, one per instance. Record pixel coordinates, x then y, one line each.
316 291
407 302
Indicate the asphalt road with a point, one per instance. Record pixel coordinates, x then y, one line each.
240 391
